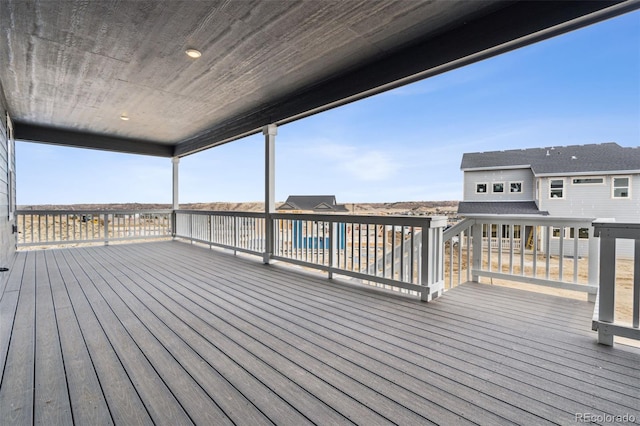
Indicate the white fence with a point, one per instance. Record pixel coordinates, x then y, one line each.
528 250
238 231
62 227
398 252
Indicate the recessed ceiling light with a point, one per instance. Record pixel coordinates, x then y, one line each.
193 53
124 117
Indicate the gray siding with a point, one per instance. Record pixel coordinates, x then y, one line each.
7 238
471 178
593 201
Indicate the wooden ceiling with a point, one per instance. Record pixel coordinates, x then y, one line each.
69 69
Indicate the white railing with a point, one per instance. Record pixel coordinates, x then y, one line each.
547 251
395 252
605 321
238 231
387 251
62 227
504 243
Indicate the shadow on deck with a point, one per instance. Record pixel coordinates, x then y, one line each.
171 333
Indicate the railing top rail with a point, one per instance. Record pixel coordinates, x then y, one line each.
223 213
97 211
458 228
432 221
533 220
605 228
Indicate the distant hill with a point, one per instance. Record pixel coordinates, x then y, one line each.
448 208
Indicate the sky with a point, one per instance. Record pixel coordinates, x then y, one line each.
402 145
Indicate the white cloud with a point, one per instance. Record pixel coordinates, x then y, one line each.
358 163
371 166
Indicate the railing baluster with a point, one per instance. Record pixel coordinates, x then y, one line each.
499 235
561 255
511 240
575 253
412 255
636 285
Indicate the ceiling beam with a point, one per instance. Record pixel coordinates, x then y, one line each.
51 135
515 25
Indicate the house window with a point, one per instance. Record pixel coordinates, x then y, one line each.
481 188
583 233
498 187
515 187
555 232
621 187
588 181
556 188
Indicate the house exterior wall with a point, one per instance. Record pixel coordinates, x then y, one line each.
592 201
587 200
7 161
524 176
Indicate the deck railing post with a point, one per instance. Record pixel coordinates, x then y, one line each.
174 224
269 133
175 161
432 258
607 280
333 244
191 227
476 241
593 263
106 228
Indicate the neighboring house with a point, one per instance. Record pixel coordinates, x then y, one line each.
312 203
579 181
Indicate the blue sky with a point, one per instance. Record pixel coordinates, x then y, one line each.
402 145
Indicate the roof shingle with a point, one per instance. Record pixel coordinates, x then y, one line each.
606 157
466 208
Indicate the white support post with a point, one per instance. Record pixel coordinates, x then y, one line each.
176 203
606 302
105 219
269 133
333 244
593 263
432 262
476 262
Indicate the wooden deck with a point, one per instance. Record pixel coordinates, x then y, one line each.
170 333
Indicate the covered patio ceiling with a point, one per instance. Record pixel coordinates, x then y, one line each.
70 69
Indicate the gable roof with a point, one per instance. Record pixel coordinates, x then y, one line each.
470 208
312 202
606 157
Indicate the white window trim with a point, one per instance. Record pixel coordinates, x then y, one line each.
564 189
482 183
613 178
498 183
521 185
587 177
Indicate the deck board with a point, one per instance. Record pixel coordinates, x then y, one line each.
120 394
51 399
174 333
394 342
85 392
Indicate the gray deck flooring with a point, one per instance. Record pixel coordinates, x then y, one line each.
170 333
